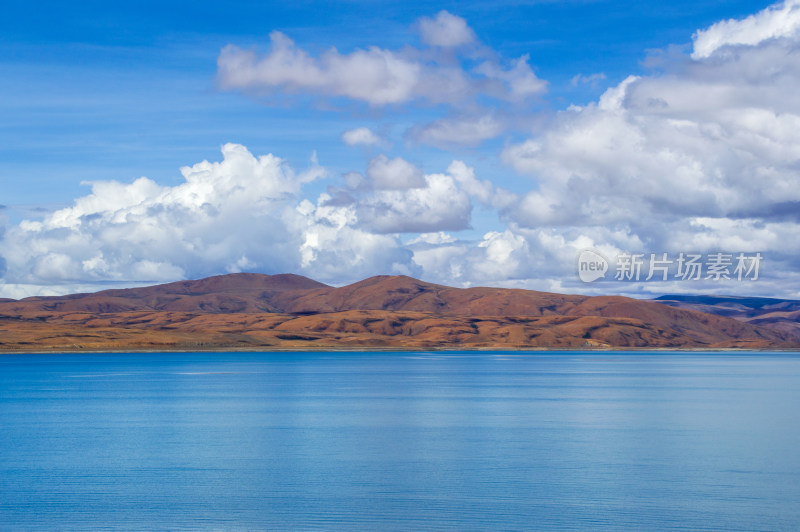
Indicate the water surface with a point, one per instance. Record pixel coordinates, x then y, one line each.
467 441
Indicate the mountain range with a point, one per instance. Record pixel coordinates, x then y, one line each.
776 314
257 311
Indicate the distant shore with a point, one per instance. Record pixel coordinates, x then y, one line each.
287 312
333 349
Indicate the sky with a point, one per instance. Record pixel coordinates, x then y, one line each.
465 143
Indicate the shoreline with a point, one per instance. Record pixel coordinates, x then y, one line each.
588 350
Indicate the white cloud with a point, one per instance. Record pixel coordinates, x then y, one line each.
504 253
776 21
361 136
244 213
614 98
701 157
464 131
442 261
433 238
445 30
514 256
381 77
374 76
482 190
394 174
438 206
591 79
397 197
520 79
475 84
145 232
235 215
334 248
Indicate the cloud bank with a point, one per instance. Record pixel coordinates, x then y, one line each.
244 213
702 155
452 70
380 77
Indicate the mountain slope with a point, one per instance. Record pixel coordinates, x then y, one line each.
776 314
405 293
261 311
239 292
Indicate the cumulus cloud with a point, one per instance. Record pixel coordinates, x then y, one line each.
397 173
516 256
375 76
438 206
483 190
381 77
243 213
445 30
238 214
520 80
440 237
701 157
361 136
397 197
334 248
142 231
781 20
452 70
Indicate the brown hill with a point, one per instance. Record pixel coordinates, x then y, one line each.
776 314
254 311
250 292
239 292
408 294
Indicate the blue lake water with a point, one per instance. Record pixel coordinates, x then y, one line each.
396 441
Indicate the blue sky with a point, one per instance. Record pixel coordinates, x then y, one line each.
96 92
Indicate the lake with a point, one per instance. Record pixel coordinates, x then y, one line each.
400 441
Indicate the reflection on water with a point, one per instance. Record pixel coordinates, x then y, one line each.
400 441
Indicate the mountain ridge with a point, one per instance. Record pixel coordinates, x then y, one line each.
773 313
251 311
